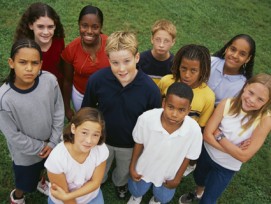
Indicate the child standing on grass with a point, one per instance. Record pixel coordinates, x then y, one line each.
83 56
76 166
231 66
157 62
191 65
122 93
31 115
166 139
234 133
41 23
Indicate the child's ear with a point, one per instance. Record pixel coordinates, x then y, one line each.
11 63
137 57
30 26
72 128
248 59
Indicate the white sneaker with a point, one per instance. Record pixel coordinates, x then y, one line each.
189 169
134 200
16 201
153 201
43 187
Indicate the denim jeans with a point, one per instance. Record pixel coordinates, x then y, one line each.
97 200
212 176
139 188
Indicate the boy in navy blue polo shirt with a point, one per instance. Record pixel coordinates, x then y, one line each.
122 93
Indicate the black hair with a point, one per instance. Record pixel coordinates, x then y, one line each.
193 52
91 10
181 90
22 43
246 69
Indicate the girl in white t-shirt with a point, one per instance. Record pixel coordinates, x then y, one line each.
76 166
233 135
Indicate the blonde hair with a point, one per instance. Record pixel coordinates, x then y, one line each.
122 40
236 103
165 25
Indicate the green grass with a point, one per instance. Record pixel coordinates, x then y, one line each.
210 23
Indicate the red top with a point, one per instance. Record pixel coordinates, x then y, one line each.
82 63
51 58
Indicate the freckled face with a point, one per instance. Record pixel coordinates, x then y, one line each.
162 42
123 65
86 136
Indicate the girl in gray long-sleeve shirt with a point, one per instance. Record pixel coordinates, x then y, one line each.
31 115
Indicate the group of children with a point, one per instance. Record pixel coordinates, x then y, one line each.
158 115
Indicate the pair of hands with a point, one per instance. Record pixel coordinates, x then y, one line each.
59 193
168 183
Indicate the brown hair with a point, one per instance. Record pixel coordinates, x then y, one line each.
83 115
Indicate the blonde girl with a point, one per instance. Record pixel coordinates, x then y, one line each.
234 133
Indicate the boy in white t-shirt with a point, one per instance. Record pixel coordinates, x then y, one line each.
166 140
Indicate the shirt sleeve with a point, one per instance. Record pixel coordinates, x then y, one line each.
207 110
19 141
54 163
58 118
90 99
196 145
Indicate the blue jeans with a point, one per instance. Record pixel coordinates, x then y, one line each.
139 188
97 200
212 176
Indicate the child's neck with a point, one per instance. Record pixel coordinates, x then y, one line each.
168 127
78 156
231 71
160 57
45 46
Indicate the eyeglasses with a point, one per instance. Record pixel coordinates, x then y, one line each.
159 41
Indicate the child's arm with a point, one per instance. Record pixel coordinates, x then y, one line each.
178 177
19 141
67 89
212 126
58 119
90 186
138 148
59 181
257 139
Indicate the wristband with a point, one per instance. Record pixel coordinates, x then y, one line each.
219 137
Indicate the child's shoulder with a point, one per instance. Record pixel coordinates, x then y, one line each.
150 114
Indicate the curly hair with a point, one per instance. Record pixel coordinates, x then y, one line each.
33 13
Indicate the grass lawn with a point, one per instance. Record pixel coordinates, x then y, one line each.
210 23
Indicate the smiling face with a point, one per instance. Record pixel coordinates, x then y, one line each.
43 28
90 29
123 65
175 110
27 65
190 72
86 136
236 55
254 97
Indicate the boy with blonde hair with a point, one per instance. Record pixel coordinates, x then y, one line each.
121 93
157 61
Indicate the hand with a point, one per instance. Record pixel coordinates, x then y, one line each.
69 113
244 145
135 176
217 132
45 152
59 193
171 183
